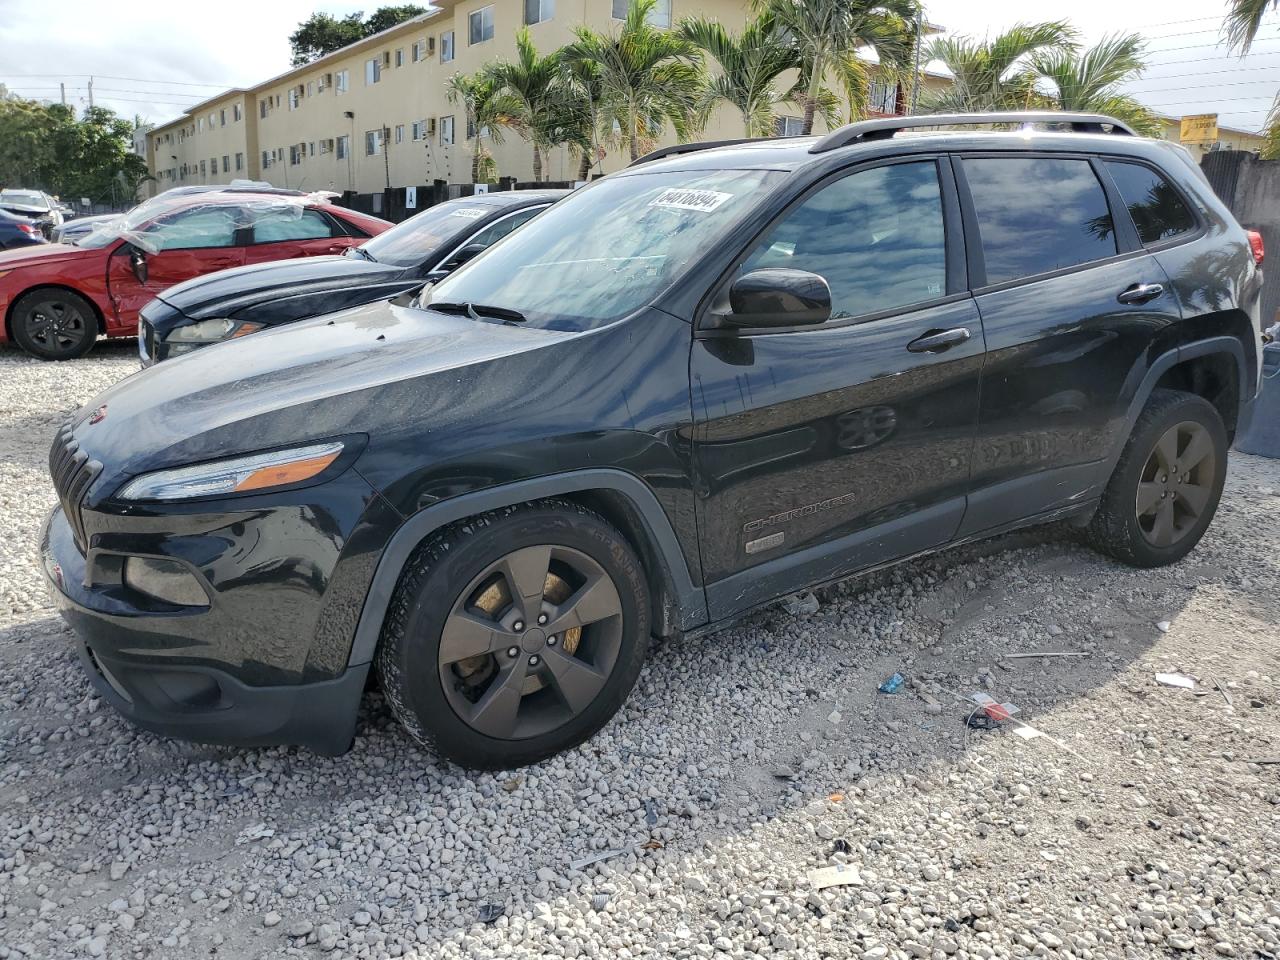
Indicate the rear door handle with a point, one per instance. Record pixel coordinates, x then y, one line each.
1141 293
937 342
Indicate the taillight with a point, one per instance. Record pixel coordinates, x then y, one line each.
1255 244
28 228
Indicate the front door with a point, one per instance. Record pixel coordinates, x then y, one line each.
824 450
178 246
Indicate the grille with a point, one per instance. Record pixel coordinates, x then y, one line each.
73 473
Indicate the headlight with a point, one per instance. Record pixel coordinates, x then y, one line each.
211 331
257 472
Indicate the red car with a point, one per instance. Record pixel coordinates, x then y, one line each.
57 299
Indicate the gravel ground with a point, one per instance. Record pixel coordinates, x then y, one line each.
1140 826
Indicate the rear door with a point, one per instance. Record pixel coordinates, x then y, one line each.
1070 304
282 233
822 450
187 243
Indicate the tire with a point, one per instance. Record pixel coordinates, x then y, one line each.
1150 514
445 658
54 324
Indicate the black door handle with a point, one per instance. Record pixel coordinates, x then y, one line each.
937 342
1141 293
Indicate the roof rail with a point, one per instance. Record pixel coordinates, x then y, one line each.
694 148
886 127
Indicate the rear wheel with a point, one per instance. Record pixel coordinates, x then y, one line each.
1167 484
515 635
54 324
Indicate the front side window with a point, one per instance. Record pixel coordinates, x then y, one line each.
480 25
876 237
1038 214
277 227
536 11
1155 206
196 229
609 249
446 46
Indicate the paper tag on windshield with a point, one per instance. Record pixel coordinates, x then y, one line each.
471 213
703 201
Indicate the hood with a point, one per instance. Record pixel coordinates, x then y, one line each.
326 377
230 292
45 254
27 210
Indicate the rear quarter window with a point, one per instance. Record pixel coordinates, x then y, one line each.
1038 214
1157 209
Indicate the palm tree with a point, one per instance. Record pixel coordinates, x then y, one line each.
826 35
993 74
1244 19
648 77
486 108
532 83
577 111
1089 81
750 65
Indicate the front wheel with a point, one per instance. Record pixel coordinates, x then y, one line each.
515 634
1167 483
54 324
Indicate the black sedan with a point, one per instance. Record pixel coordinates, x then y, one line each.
16 231
423 249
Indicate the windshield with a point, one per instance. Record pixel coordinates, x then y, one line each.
409 243
607 250
28 198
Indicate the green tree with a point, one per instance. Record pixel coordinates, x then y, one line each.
577 112
485 107
534 85
1090 81
751 65
993 74
826 36
648 77
1244 20
323 33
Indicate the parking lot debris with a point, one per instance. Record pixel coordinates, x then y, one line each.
840 875
784 773
602 855
893 684
841 845
801 604
490 912
1176 680
1045 653
1163 626
259 831
999 712
650 812
1221 688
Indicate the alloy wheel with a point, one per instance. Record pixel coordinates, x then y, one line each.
530 642
58 326
1176 484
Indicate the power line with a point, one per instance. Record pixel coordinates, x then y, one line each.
178 83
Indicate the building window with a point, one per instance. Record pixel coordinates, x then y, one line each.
790 127
399 133
372 71
200 124
446 131
659 16
293 98
294 158
373 143
222 117
882 97
536 11
446 46
239 162
311 149
480 25
342 81
344 147
400 57
419 50
226 163
236 114
311 88
202 168
416 128
262 109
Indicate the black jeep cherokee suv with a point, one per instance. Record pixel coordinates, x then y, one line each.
722 375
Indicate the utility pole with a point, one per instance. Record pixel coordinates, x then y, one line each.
91 93
915 79
63 88
386 153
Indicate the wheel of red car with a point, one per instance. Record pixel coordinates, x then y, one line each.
54 324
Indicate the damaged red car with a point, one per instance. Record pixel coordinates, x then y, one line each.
56 300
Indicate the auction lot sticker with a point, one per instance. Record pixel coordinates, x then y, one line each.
703 201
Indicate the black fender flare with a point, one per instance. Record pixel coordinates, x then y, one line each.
689 598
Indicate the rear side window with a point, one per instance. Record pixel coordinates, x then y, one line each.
1157 210
877 237
1038 214
287 225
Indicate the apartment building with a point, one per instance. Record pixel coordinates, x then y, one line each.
377 114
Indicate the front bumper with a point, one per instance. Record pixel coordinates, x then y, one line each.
175 671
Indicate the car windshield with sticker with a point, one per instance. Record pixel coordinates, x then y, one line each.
608 250
408 244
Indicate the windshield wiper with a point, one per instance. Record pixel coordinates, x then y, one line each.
473 310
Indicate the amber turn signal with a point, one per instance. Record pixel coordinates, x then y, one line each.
278 476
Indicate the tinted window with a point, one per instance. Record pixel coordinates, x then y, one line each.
496 231
877 238
286 225
407 244
1038 215
1157 210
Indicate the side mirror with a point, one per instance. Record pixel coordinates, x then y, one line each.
138 261
778 297
465 255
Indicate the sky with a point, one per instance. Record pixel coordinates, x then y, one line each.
155 60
